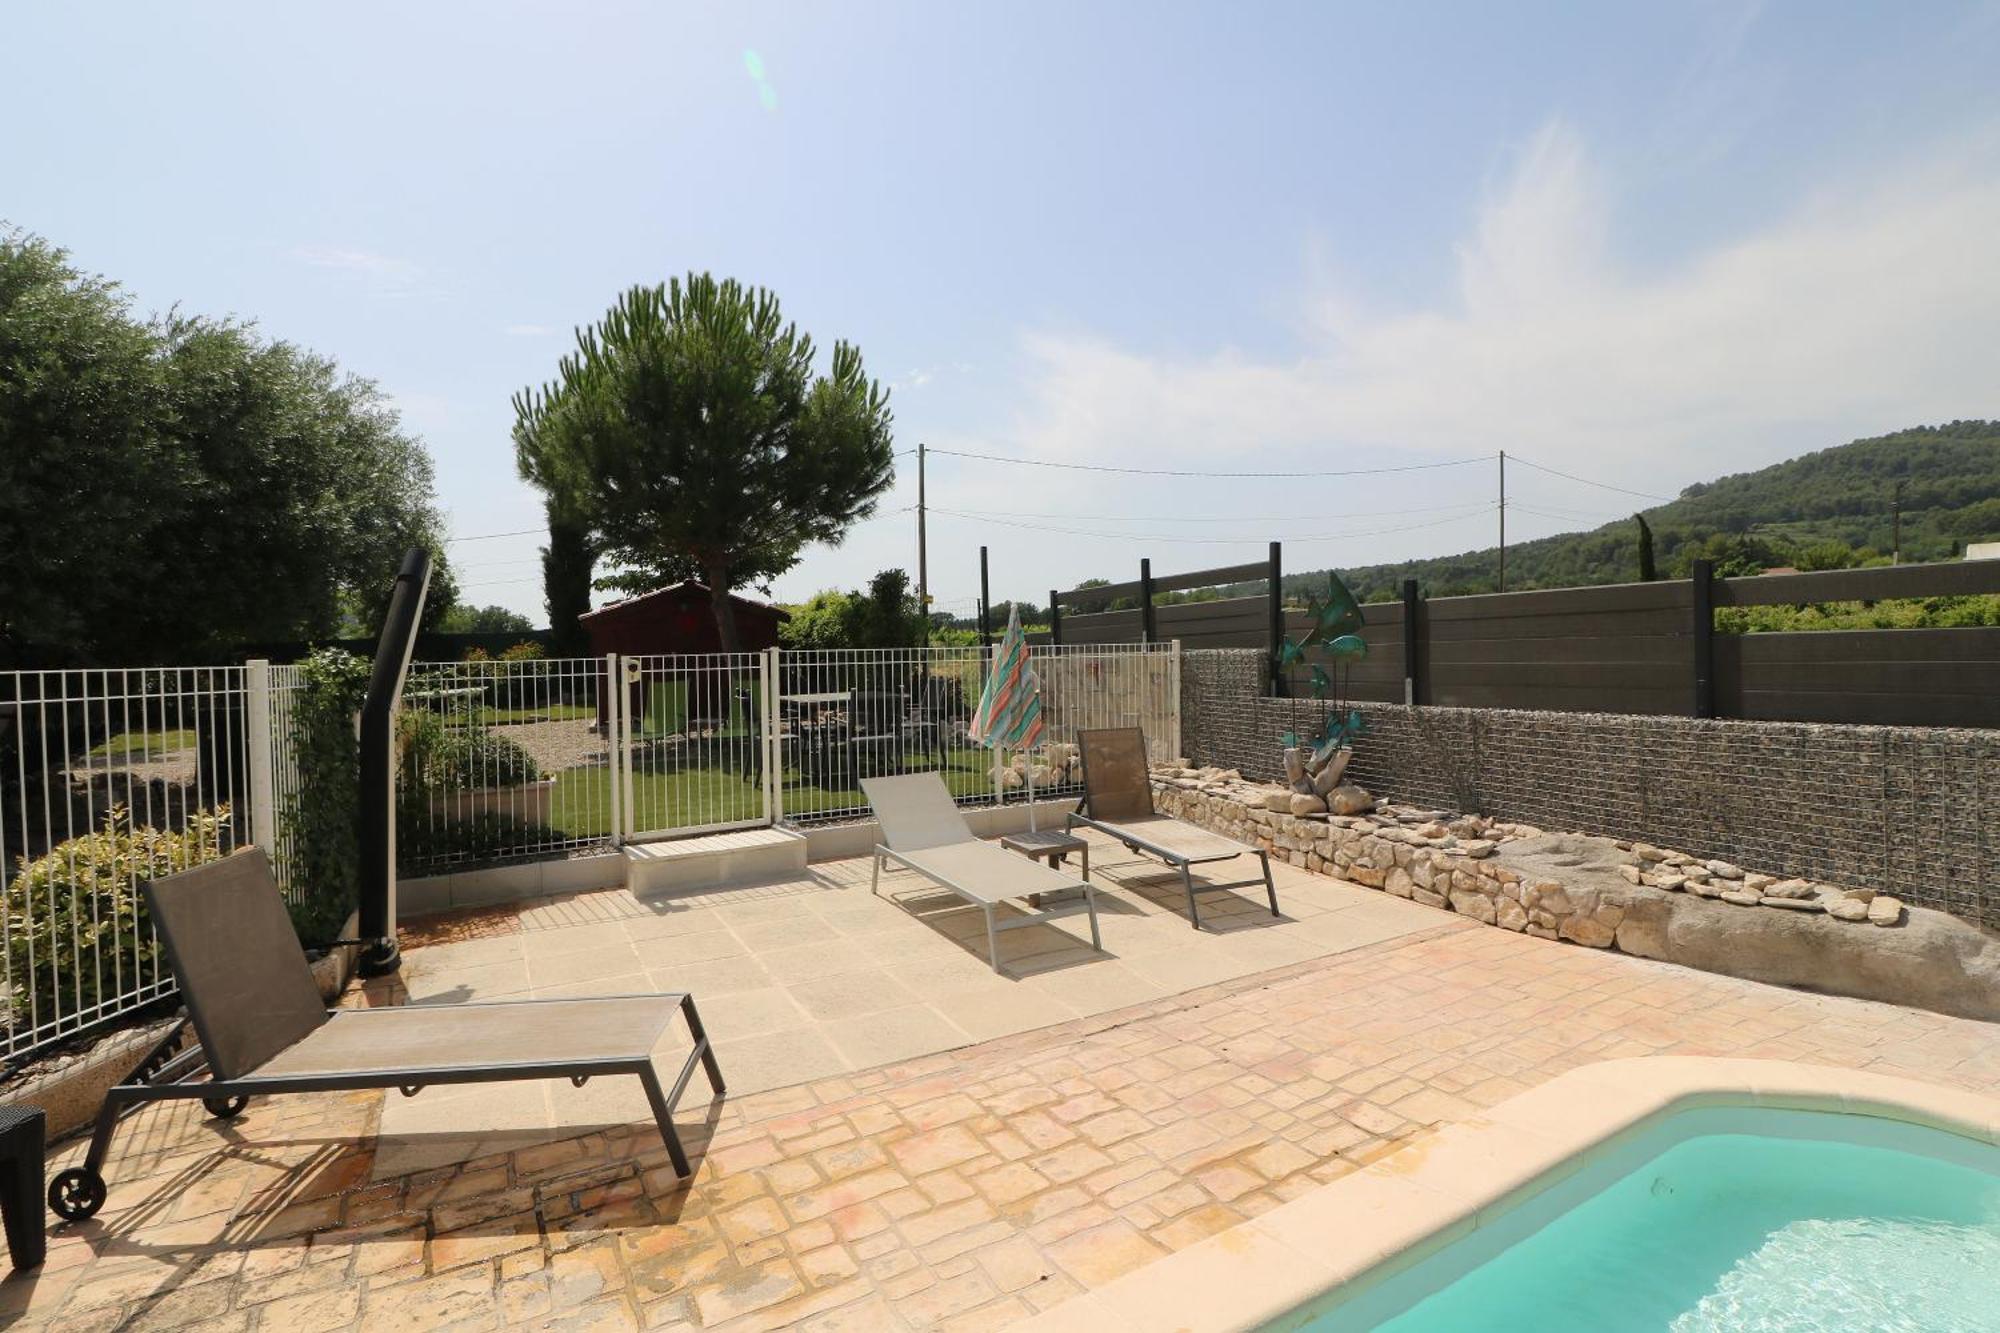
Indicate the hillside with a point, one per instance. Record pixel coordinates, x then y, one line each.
1836 500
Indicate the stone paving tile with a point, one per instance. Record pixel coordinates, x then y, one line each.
967 1189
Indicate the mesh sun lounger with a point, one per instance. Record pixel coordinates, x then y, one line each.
1118 800
923 830
262 1028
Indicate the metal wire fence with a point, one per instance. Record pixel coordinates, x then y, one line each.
108 777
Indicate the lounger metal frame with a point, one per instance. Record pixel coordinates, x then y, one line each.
165 1076
1181 861
1028 917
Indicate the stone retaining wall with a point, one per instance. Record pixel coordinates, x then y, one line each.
1434 857
1912 811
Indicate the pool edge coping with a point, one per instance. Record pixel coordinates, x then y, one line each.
1371 1224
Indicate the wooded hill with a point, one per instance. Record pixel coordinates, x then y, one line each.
1827 509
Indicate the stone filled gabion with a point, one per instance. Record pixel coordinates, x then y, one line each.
1446 859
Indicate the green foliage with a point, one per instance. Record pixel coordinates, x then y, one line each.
886 616
425 844
568 563
78 931
439 753
321 816
690 429
1900 613
463 619
1826 555
173 486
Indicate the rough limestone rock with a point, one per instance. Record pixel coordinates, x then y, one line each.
1789 888
1303 803
1847 909
1280 801
1724 870
1884 910
1935 961
1348 799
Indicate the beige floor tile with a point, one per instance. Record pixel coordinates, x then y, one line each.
782 933
717 976
541 944
491 982
629 983
850 994
698 947
804 962
1197 965
893 1034
984 1015
776 1060
1098 988
666 918
613 958
750 1012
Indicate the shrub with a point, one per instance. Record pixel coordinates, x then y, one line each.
321 817
525 651
437 757
425 845
78 933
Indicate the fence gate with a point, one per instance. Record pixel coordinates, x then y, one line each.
693 750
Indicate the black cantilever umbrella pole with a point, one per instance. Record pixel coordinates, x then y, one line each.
377 831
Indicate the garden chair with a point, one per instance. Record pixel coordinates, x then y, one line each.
1118 800
923 830
262 1029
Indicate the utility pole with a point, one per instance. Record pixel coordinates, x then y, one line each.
923 552
1896 526
1503 520
985 605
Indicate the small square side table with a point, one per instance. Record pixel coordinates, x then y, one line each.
1051 845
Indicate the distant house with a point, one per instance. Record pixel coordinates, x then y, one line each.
679 618
1982 551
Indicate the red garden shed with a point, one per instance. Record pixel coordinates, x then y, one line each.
678 618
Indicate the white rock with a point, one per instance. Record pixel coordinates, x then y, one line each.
1885 910
1725 870
1305 804
1847 909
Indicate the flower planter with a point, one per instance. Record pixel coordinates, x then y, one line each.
527 802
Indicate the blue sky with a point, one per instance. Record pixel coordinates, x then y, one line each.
1644 244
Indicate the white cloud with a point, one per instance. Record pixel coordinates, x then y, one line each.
1872 306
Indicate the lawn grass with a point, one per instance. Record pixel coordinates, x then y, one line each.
707 793
145 744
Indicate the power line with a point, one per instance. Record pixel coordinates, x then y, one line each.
1483 507
1188 472
1602 485
1240 518
489 536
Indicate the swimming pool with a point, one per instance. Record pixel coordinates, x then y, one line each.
1725 1218
1658 1193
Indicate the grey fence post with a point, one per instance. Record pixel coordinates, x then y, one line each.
1147 631
1414 685
263 787
1276 630
1703 597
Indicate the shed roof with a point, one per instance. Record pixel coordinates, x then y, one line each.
631 603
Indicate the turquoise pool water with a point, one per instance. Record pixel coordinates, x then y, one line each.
1725 1219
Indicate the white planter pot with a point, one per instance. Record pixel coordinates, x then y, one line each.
528 802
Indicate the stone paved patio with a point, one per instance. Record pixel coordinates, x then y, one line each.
962 1189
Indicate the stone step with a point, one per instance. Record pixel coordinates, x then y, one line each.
713 861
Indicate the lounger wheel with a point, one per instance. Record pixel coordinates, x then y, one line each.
76 1194
225 1108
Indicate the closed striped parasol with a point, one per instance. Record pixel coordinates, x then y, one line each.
1010 707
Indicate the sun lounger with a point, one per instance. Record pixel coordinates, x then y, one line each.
1118 800
262 1028
923 830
